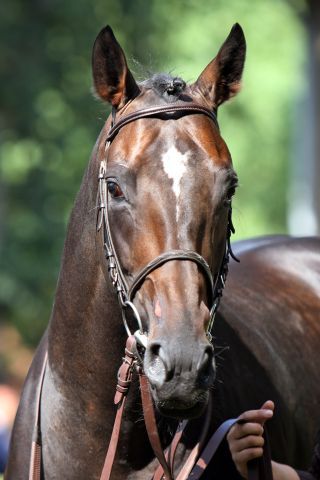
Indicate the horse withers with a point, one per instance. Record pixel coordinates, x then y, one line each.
162 185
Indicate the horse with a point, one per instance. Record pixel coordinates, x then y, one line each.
158 190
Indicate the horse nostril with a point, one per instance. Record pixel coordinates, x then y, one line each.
159 370
205 365
154 349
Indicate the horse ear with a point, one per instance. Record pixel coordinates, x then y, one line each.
113 81
221 79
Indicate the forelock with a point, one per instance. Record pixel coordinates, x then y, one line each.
166 86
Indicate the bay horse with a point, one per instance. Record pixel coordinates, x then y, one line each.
167 183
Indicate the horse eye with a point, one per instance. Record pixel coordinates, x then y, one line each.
114 190
230 193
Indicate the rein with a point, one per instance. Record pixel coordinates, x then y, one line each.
201 454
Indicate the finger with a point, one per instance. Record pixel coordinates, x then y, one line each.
268 405
245 456
256 416
245 443
241 430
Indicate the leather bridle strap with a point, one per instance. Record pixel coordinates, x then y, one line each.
188 109
195 452
171 451
151 425
36 447
167 257
123 384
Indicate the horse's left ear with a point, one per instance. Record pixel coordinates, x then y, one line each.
221 79
113 81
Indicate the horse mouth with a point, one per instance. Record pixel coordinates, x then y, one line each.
181 412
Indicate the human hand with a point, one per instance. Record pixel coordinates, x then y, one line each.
245 438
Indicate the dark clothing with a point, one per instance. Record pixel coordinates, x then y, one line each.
305 475
314 471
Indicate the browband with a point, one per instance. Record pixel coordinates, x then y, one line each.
172 109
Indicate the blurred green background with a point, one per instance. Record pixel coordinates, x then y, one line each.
49 120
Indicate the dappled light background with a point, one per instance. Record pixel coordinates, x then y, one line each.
49 119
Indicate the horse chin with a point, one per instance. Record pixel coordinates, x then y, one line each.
182 412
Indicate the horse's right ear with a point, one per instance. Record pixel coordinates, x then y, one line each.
113 81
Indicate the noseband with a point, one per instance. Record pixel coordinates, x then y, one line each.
125 293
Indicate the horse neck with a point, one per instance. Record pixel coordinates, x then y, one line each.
86 336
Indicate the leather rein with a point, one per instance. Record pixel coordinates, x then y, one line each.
201 454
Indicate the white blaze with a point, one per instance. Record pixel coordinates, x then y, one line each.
175 166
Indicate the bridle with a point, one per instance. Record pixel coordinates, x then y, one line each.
124 292
137 342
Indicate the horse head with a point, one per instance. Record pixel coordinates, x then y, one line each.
169 184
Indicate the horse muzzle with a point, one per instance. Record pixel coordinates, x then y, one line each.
180 376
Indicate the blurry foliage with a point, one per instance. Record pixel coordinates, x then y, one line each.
49 121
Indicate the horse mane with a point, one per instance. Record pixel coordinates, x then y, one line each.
165 85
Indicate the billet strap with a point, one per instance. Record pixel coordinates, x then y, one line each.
122 388
36 446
